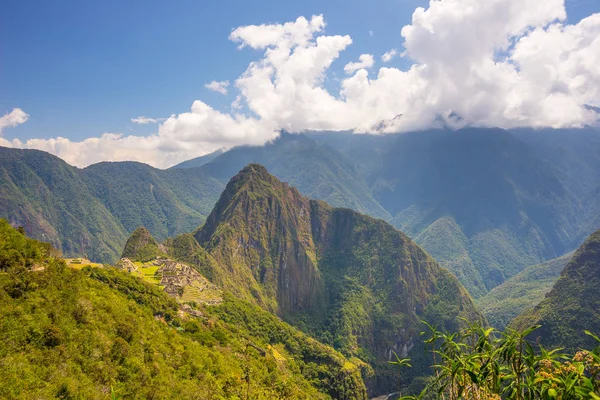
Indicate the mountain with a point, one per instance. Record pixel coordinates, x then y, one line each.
96 333
166 202
92 210
200 161
316 169
573 304
141 246
522 292
51 200
486 203
351 281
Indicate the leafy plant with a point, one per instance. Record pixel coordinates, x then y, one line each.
483 363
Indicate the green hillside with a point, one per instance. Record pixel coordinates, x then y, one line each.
101 333
91 212
573 304
522 292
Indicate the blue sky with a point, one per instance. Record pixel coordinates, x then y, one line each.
80 68
83 68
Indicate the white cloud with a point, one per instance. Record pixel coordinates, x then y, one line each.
371 33
364 61
502 63
220 87
143 120
13 118
388 55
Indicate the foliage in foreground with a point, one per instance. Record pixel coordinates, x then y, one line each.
98 333
480 363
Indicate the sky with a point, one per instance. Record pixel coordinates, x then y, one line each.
161 82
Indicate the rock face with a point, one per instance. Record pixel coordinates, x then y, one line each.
352 281
573 304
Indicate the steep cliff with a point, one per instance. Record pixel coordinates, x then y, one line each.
352 281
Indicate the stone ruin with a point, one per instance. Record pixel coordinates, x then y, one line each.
175 277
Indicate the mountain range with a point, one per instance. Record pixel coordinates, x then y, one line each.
92 211
288 293
485 203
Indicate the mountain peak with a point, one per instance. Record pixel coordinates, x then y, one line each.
253 191
253 170
141 246
256 179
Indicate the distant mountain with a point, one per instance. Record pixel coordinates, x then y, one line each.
352 281
573 304
92 210
97 333
486 203
51 200
522 292
200 161
317 170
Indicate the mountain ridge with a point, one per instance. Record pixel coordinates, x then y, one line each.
573 303
91 211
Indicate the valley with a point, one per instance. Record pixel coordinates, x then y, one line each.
251 265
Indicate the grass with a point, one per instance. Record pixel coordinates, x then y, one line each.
79 263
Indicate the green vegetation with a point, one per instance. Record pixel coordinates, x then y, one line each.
351 281
89 212
99 332
17 250
572 305
141 246
79 263
521 293
479 363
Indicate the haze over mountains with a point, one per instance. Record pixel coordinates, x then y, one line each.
485 203
350 290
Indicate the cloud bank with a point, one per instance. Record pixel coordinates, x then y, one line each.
500 63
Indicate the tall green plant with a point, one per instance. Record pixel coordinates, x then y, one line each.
483 363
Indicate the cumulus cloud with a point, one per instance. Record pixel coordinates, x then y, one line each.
365 61
219 87
501 63
13 118
388 55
